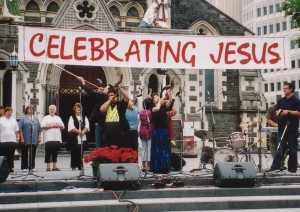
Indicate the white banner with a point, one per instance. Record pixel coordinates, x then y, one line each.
120 49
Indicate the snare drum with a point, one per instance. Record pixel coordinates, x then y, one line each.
237 140
224 155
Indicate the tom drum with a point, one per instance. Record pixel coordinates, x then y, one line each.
237 140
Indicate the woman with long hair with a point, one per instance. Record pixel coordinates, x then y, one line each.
161 142
145 132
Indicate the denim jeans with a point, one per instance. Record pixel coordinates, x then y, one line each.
98 135
289 144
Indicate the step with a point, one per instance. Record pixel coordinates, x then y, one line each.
98 194
162 204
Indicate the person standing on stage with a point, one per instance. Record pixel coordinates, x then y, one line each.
132 113
116 125
97 118
52 126
145 132
161 143
9 132
272 121
288 110
30 136
77 135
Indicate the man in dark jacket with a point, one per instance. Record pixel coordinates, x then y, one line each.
97 118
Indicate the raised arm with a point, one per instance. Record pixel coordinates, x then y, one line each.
123 93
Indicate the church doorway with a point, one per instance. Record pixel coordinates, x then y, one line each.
69 94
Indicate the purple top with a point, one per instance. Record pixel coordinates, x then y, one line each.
146 126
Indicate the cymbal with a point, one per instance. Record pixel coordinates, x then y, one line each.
248 124
200 133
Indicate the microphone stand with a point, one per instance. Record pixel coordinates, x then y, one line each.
282 144
259 131
30 172
81 172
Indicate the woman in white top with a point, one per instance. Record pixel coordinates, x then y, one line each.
77 135
52 126
9 131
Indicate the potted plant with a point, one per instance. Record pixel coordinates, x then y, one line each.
112 154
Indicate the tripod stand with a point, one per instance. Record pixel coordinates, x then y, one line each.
32 128
204 154
81 171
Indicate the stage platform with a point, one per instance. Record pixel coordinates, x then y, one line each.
64 191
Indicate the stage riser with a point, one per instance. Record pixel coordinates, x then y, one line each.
60 196
169 204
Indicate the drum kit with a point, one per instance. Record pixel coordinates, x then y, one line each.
235 145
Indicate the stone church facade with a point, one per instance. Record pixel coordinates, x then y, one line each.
46 84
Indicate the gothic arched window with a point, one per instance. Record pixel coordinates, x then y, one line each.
114 11
33 6
53 7
132 12
153 83
32 12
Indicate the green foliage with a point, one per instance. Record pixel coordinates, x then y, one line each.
292 8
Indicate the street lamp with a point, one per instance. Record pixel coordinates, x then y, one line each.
13 59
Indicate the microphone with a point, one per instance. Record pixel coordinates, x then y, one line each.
27 94
179 92
223 93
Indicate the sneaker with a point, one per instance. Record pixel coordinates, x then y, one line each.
24 170
270 170
34 170
11 170
73 169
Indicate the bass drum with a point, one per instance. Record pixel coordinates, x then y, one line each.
224 155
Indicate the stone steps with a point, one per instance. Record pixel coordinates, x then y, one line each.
170 199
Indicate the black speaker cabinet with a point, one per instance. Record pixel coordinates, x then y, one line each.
234 174
4 169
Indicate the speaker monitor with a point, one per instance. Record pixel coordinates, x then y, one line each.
118 175
4 169
234 174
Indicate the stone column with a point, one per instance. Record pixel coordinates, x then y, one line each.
14 92
1 91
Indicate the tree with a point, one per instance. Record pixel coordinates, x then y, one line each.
292 8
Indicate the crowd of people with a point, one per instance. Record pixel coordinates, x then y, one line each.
117 120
